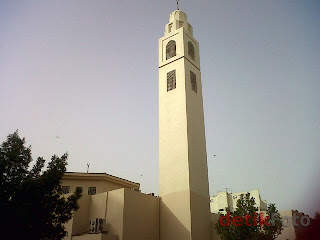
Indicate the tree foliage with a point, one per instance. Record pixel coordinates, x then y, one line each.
32 204
246 223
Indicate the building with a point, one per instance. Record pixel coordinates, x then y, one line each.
114 208
126 214
94 183
223 200
183 172
294 223
115 200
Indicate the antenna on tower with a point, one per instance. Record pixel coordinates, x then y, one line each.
88 164
227 189
177 4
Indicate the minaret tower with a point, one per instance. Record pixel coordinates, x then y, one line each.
183 171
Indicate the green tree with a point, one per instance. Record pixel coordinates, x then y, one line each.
32 204
246 224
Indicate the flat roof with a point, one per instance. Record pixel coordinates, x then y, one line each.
84 174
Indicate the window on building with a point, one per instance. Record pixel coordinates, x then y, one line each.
79 188
193 78
191 50
92 190
65 189
189 28
170 27
180 24
221 210
171 80
171 49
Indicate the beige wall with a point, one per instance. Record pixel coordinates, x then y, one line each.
115 209
101 185
214 220
200 216
141 216
197 154
96 237
94 206
129 214
98 206
81 217
68 227
183 173
173 142
133 215
223 200
91 207
175 219
288 233
80 220
102 182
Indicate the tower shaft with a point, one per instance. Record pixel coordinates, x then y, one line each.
183 173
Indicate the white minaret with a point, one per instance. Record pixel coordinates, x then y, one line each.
183 172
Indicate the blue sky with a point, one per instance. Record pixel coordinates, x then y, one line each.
82 77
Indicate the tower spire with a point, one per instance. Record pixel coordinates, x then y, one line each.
177 4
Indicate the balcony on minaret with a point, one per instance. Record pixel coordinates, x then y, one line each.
178 19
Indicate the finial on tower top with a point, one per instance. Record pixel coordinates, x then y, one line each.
177 4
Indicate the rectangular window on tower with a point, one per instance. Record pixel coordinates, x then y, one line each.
171 80
193 78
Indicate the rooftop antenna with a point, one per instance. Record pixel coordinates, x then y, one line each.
88 164
227 189
177 4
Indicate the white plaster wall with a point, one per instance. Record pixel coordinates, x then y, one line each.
98 206
115 212
132 215
173 143
141 216
81 217
224 199
100 184
183 173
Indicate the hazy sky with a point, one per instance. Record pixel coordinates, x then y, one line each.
82 77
